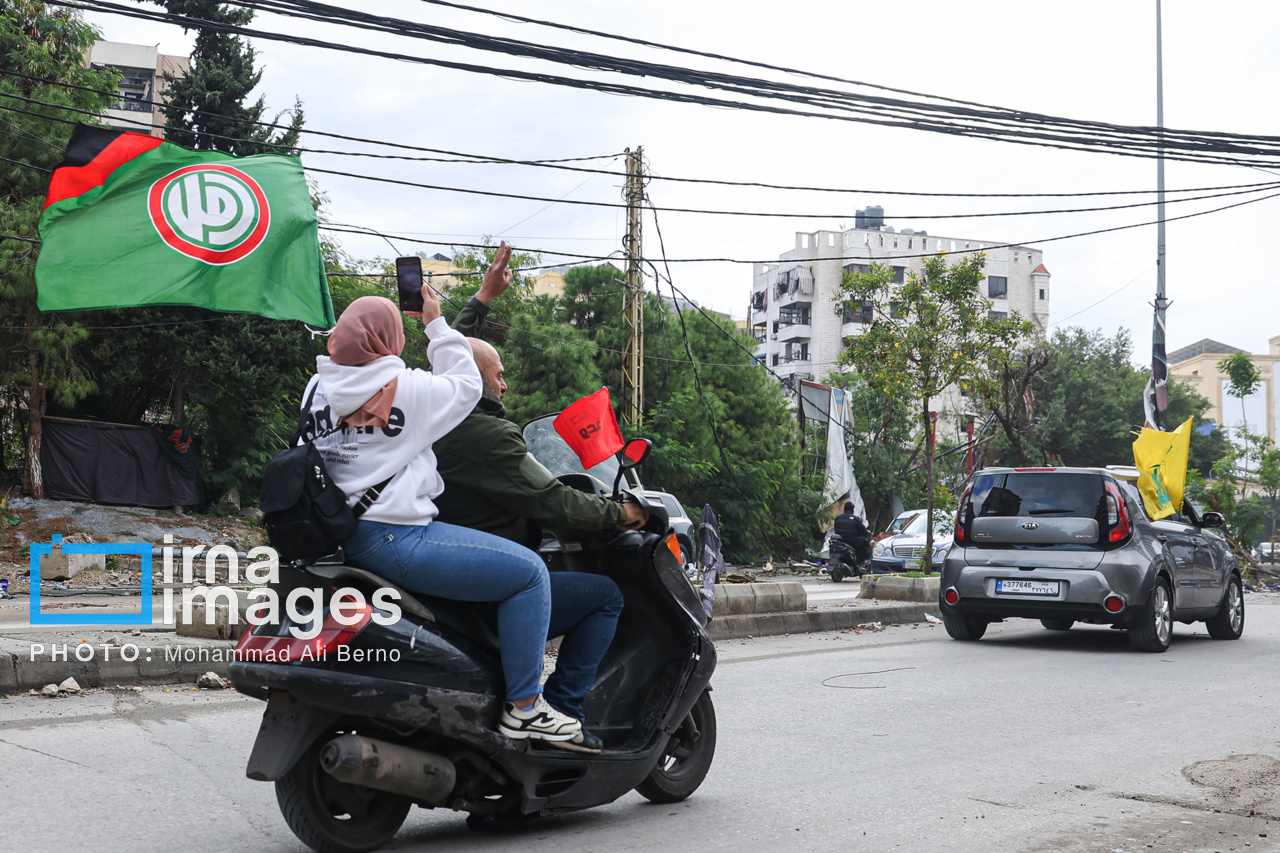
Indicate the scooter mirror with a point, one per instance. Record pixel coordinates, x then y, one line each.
635 451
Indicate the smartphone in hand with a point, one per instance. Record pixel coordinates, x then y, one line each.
409 281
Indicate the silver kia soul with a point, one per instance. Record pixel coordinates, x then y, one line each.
1067 545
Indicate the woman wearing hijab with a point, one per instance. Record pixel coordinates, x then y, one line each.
387 417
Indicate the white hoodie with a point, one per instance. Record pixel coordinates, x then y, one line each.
426 406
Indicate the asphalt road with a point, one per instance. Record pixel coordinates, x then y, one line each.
901 739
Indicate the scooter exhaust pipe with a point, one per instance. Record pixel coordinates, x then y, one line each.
421 776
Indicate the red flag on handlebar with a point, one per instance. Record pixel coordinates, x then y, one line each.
590 429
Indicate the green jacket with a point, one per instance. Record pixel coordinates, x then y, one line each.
492 483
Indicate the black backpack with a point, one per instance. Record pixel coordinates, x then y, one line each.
306 513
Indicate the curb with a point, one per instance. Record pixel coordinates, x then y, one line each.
164 659
156 660
750 599
815 621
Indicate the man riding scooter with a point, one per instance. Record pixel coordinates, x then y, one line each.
851 531
493 484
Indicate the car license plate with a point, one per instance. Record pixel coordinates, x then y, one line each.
1019 587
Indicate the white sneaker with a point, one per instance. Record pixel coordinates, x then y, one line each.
539 721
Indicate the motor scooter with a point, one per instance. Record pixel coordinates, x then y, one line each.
843 562
379 717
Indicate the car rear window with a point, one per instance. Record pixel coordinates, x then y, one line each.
1031 494
673 506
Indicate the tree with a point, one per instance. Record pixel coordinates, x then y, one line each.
880 444
1243 378
1008 392
206 107
935 331
40 358
235 379
1076 399
1267 475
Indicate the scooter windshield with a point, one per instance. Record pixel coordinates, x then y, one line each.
556 456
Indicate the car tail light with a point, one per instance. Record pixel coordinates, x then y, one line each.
964 503
1113 603
1117 515
260 646
951 596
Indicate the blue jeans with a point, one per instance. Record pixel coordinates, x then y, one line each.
584 610
449 561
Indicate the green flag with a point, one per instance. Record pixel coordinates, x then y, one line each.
133 220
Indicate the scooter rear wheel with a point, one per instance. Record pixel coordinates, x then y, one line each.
837 573
687 759
334 817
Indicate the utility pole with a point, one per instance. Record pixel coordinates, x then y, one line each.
1157 387
633 352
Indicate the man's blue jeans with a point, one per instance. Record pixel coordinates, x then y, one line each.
449 561
584 610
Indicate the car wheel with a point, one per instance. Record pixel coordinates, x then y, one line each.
1228 624
1058 624
964 626
1155 625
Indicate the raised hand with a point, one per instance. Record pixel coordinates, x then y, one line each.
497 278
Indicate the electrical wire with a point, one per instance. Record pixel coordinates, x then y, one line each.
1262 187
1009 126
487 159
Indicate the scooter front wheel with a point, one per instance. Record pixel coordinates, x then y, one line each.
687 758
334 817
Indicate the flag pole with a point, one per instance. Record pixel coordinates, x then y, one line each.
1157 386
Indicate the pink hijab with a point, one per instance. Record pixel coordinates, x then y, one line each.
370 328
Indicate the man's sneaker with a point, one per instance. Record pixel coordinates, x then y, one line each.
583 741
539 721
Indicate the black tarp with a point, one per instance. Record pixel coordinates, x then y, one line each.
120 464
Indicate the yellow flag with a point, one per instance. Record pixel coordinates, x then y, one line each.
1161 458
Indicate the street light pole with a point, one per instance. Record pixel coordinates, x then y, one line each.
1157 397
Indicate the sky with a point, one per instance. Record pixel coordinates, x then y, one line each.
1091 59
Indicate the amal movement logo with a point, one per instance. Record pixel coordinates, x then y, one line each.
213 213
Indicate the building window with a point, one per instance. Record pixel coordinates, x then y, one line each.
864 315
856 268
895 310
997 315
1042 293
795 315
899 275
775 359
998 287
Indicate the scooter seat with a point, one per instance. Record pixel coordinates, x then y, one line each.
459 616
340 572
464 618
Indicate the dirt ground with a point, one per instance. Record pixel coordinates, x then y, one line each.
25 521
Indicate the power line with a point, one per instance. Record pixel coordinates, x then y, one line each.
1009 126
558 163
1262 187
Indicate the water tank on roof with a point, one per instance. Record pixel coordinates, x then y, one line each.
908 231
875 216
860 219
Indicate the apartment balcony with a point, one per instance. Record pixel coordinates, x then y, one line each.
794 357
794 332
